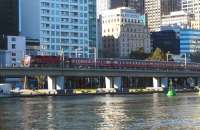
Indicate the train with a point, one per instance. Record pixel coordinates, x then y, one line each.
113 63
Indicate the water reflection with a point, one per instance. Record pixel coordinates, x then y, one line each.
50 113
123 112
113 113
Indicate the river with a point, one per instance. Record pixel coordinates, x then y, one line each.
102 112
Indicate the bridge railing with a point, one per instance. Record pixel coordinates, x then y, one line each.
101 68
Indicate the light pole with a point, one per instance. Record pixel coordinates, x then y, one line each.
95 56
62 57
168 53
76 51
185 60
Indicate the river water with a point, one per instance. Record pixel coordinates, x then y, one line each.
107 112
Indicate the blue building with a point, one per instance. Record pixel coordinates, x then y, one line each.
177 41
67 26
189 41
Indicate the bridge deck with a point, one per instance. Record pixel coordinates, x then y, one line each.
97 72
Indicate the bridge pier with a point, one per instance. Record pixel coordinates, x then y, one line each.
113 82
156 82
25 81
55 83
51 83
109 83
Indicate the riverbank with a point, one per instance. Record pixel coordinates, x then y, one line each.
77 92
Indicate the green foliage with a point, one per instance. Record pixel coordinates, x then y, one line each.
41 81
139 54
158 55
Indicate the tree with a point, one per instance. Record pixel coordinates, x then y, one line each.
139 54
158 55
41 81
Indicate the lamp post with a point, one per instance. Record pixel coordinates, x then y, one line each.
168 53
76 51
95 55
185 60
62 57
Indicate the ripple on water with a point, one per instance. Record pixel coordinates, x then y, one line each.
122 112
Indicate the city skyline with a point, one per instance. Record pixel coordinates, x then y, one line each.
75 27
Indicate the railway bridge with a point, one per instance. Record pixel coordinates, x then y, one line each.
113 77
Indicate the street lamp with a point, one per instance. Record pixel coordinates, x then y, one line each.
185 60
62 57
168 53
95 55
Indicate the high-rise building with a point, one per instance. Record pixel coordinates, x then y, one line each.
167 41
9 21
103 5
168 6
177 40
153 13
155 9
189 41
181 19
192 6
61 25
123 32
138 5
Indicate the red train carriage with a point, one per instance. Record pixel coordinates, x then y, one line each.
45 61
57 61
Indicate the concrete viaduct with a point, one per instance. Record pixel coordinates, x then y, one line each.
55 76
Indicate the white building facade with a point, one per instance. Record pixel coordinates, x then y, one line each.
153 11
192 6
103 5
65 25
178 18
13 55
123 32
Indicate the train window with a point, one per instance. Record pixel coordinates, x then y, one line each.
115 62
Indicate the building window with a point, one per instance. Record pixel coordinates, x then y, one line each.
13 54
14 59
13 46
13 39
